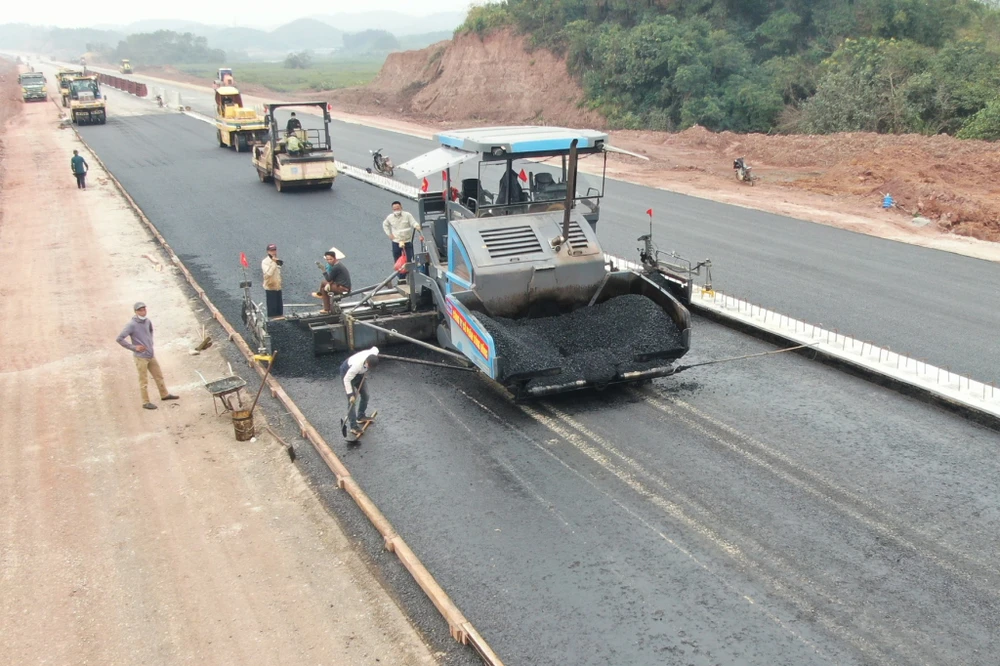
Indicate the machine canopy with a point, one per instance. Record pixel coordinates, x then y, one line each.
437 161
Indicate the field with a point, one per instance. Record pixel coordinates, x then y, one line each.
321 75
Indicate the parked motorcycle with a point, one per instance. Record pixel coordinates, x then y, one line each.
159 101
743 171
382 163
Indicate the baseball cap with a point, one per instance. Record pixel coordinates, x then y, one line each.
138 306
272 246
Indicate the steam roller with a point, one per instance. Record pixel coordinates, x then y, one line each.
510 278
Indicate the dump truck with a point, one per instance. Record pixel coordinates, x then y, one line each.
311 164
224 77
235 125
87 105
33 88
512 280
125 67
63 77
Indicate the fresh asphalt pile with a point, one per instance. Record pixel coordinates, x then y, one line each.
595 344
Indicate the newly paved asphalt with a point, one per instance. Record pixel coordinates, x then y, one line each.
762 512
926 303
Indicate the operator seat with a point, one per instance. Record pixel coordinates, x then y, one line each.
470 194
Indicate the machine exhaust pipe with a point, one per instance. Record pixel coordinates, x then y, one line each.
570 190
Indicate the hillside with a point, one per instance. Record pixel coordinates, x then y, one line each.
491 79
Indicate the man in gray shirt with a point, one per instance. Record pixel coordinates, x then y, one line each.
140 333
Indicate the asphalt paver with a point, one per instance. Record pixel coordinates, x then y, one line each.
764 512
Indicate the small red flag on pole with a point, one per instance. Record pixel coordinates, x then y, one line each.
243 260
444 176
649 211
523 176
424 186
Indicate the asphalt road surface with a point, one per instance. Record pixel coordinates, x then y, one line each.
763 512
926 303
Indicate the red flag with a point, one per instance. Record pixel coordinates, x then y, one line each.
649 211
444 176
523 176
243 260
424 186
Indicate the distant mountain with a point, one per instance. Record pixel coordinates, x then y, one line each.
306 33
397 23
152 25
240 39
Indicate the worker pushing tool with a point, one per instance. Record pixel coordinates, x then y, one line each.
353 372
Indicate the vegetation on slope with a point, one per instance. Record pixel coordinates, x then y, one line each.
928 66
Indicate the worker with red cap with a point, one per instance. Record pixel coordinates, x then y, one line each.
271 266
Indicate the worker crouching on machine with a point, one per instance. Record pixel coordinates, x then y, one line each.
336 279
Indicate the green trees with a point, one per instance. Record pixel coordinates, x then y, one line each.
166 47
773 65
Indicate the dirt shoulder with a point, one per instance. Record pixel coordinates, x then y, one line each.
132 536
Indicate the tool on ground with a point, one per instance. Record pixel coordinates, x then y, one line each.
345 423
223 389
682 368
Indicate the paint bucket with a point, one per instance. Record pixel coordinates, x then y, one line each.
243 424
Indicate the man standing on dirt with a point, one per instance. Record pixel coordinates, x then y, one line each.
80 168
271 267
399 227
354 371
140 332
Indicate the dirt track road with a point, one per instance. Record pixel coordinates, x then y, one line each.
129 536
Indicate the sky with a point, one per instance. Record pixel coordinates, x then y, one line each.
252 13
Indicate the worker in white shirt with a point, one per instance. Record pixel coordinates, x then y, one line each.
399 227
353 372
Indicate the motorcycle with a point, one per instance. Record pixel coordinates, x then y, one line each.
382 163
159 101
743 171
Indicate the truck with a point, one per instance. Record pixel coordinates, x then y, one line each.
33 88
87 105
224 77
125 67
312 165
63 77
512 280
235 125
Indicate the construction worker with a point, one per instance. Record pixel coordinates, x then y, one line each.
353 372
80 169
271 267
140 333
336 279
293 124
399 227
294 145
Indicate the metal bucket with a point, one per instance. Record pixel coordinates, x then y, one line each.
243 425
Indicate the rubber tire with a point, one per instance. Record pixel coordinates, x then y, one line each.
389 172
239 142
328 186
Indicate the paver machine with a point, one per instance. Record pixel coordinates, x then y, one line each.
237 126
87 105
511 279
303 161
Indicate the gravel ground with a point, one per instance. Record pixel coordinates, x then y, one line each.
761 512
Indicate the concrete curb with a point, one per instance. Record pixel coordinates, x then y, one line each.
978 401
460 628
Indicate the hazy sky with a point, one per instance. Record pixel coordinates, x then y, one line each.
253 13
